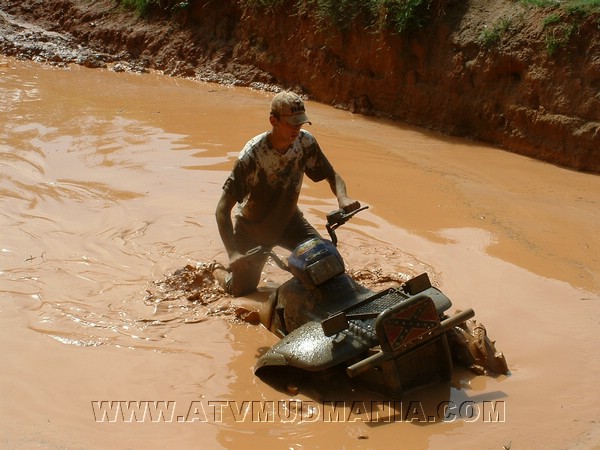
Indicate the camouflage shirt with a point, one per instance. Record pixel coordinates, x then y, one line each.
266 184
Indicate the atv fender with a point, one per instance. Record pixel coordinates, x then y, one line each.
308 348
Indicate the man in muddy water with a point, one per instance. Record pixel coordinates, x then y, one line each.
265 183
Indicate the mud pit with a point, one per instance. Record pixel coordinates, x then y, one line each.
109 186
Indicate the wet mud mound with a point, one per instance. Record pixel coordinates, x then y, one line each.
25 40
377 279
194 291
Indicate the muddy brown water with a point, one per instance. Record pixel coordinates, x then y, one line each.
109 182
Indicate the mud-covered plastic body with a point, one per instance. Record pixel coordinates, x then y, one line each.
392 341
336 322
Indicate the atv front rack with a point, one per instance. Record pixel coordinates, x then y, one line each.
400 329
391 340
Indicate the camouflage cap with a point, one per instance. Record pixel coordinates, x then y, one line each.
290 107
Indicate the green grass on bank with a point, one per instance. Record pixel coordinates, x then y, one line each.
560 25
568 5
394 15
144 6
399 16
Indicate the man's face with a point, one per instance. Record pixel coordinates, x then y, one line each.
284 130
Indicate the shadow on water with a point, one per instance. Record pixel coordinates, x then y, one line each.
336 398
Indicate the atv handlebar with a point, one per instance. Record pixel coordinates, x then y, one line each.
337 218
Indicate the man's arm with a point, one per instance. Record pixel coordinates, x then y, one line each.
338 187
225 224
237 260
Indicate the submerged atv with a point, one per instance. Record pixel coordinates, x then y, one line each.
391 341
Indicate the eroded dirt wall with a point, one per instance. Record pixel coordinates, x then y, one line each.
514 93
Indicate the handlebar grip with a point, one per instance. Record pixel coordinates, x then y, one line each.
339 216
335 216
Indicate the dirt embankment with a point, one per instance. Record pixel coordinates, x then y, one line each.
493 71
